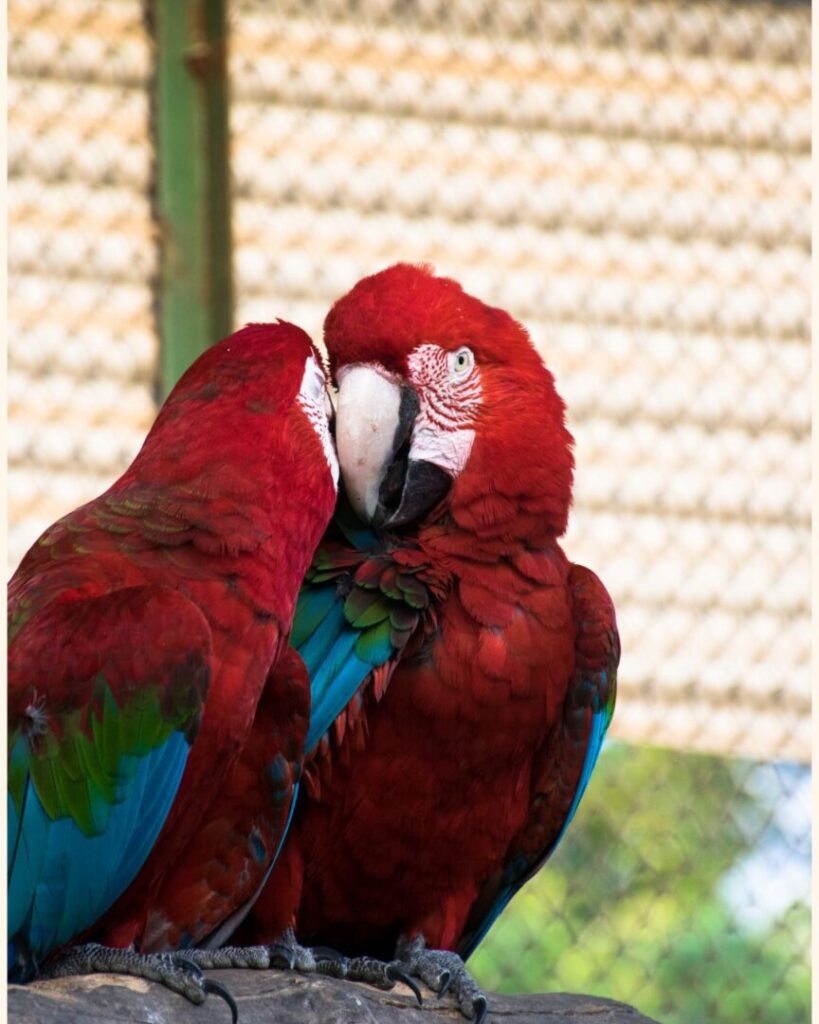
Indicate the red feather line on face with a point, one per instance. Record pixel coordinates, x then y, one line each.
446 407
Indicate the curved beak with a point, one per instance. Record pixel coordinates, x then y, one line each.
375 418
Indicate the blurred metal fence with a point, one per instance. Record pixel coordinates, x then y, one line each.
631 179
82 254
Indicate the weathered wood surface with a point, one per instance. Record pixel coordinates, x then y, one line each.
271 997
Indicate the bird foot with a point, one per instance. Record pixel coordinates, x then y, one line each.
381 973
439 969
288 954
285 953
176 971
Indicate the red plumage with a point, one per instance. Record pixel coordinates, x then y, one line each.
475 751
224 505
228 857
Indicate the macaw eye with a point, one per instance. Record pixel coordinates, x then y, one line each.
460 363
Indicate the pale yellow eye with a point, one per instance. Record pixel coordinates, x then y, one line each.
460 363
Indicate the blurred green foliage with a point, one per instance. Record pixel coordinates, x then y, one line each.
630 906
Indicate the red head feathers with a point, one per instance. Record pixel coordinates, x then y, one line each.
445 408
248 404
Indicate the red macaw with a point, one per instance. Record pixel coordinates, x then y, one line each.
463 671
146 629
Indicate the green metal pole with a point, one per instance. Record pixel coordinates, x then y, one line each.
193 180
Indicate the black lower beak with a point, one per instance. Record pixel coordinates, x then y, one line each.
409 488
424 485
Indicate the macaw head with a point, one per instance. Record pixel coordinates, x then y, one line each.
445 408
254 405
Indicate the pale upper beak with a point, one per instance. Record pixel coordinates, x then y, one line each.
375 417
367 414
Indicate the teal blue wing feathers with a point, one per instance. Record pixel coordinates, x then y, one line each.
105 698
351 620
355 615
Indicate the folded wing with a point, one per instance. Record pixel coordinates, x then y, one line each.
105 698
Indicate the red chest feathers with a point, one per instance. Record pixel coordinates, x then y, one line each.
405 830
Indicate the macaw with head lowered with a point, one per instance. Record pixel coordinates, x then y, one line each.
462 670
146 630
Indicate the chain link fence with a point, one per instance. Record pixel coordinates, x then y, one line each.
631 180
82 255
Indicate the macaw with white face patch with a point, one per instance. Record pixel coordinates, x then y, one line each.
429 416
462 669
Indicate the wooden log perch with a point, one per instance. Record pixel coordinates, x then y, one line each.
273 997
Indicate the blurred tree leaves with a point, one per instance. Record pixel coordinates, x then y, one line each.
630 905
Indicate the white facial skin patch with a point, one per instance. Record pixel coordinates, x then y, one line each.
315 402
449 390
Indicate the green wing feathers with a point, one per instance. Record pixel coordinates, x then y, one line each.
355 616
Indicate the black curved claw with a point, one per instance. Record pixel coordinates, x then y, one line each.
480 1007
218 989
446 981
395 973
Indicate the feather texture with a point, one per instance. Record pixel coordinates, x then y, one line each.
355 613
143 628
564 763
96 763
443 778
